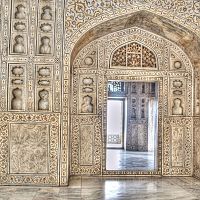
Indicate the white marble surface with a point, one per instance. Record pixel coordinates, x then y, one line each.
166 188
120 159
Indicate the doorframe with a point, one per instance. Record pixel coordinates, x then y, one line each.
161 100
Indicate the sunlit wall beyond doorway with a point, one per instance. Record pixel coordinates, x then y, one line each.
115 128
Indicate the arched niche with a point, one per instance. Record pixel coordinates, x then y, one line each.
155 23
91 70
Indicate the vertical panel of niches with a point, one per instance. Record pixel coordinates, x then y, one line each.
87 94
44 88
45 27
19 27
178 98
17 94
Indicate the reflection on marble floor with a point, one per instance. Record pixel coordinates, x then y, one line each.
119 159
166 188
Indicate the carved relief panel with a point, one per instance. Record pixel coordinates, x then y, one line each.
90 60
29 148
178 148
32 148
176 64
177 142
86 146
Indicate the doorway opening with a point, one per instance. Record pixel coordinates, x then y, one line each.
132 126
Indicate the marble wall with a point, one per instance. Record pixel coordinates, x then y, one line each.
30 105
39 105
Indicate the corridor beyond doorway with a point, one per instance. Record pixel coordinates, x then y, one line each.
132 122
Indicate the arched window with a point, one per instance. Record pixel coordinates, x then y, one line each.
133 55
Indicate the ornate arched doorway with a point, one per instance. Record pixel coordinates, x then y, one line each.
131 55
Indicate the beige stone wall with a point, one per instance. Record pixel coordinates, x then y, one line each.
37 50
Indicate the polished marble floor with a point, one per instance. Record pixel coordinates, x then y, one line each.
120 159
83 188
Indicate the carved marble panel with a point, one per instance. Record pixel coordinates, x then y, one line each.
143 136
86 145
30 142
176 63
178 146
90 60
177 141
19 44
132 142
29 148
